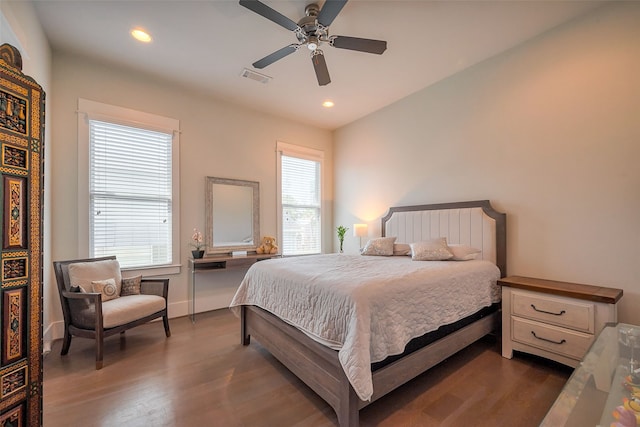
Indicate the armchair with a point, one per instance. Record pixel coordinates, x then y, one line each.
87 314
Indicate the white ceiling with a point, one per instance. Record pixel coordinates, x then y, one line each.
207 44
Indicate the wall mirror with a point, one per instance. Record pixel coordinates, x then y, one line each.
232 215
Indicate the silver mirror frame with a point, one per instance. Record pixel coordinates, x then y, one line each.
211 249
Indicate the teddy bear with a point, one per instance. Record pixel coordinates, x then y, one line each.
268 246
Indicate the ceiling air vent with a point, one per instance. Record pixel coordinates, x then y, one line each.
255 76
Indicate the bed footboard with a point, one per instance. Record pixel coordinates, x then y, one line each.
316 365
319 368
403 370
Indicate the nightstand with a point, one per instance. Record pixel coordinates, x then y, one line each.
552 319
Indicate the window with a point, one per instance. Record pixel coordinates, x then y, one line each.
130 186
300 199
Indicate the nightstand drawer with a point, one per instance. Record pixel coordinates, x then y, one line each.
572 344
558 311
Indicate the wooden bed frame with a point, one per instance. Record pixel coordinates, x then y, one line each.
318 366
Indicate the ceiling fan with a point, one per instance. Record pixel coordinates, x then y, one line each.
311 32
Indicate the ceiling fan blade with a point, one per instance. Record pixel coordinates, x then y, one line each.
278 54
362 45
269 13
330 10
320 66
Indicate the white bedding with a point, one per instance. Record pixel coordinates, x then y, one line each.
368 307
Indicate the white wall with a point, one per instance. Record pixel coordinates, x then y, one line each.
549 132
217 139
20 27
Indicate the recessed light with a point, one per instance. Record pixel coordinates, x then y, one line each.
328 104
141 35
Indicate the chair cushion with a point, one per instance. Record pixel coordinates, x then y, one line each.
123 310
83 273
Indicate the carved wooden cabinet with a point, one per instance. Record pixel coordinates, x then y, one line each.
21 172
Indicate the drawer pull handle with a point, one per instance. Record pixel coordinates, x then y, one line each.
548 340
547 312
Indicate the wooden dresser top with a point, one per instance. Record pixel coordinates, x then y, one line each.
572 290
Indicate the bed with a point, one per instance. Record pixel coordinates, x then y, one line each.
352 370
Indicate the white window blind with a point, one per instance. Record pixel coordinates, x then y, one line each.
130 192
301 205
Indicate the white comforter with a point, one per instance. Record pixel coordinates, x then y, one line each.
368 307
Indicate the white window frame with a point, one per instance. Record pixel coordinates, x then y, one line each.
92 110
291 150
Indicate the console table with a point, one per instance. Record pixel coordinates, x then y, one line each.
222 262
602 382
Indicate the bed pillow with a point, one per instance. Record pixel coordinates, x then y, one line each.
401 249
381 246
431 250
107 288
463 252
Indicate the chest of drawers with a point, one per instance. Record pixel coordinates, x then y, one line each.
552 319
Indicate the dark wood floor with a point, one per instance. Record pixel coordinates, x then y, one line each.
202 376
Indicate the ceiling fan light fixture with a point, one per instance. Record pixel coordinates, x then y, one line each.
312 44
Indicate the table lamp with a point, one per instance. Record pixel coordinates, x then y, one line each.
360 230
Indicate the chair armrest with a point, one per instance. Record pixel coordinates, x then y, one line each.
85 314
153 286
93 297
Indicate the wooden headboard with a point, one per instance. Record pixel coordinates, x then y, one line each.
473 223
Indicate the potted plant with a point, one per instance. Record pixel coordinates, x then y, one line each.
197 242
341 231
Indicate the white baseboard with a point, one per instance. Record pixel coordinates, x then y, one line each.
53 332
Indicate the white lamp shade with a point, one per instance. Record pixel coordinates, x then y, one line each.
360 230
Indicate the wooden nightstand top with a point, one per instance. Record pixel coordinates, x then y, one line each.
573 290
